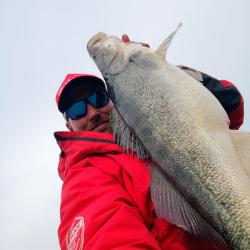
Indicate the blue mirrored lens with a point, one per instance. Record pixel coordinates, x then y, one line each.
77 111
93 99
99 99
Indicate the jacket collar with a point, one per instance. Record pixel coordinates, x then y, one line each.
76 146
97 141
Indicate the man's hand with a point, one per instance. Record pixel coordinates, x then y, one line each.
126 39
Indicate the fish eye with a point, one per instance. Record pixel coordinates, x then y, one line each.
94 54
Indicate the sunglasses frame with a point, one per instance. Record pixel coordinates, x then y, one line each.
86 101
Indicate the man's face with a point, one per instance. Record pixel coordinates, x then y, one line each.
96 119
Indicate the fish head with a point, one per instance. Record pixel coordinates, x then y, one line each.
110 54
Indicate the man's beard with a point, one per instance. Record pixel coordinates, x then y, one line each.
106 129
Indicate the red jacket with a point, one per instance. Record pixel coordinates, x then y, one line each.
106 199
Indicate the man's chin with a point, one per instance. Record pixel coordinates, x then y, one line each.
104 128
106 131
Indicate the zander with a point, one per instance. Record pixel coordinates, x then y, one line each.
200 169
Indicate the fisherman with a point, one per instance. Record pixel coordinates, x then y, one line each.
106 200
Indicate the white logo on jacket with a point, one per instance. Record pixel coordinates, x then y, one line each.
75 236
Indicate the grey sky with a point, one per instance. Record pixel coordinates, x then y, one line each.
42 41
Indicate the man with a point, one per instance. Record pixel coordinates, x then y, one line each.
105 196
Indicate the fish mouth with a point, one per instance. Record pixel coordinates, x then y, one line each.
97 39
95 42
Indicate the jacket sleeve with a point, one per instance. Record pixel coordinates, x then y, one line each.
229 97
98 213
226 93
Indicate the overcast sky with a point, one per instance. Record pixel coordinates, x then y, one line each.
42 41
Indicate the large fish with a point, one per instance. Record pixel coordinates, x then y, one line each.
199 167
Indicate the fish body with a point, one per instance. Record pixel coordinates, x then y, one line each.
198 179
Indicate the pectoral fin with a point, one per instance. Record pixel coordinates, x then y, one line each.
241 141
147 59
171 206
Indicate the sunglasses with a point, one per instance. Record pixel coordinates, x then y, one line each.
79 109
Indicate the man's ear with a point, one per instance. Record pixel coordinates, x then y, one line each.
69 126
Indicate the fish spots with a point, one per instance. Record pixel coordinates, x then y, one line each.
224 204
112 45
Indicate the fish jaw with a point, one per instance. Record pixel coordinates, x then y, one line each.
93 46
110 54
95 42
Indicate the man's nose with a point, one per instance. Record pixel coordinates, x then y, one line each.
92 112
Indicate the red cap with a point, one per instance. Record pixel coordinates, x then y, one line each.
73 81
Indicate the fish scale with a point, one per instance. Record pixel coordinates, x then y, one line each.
198 179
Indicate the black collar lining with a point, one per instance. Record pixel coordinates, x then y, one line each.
61 138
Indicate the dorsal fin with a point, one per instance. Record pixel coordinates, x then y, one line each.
162 50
